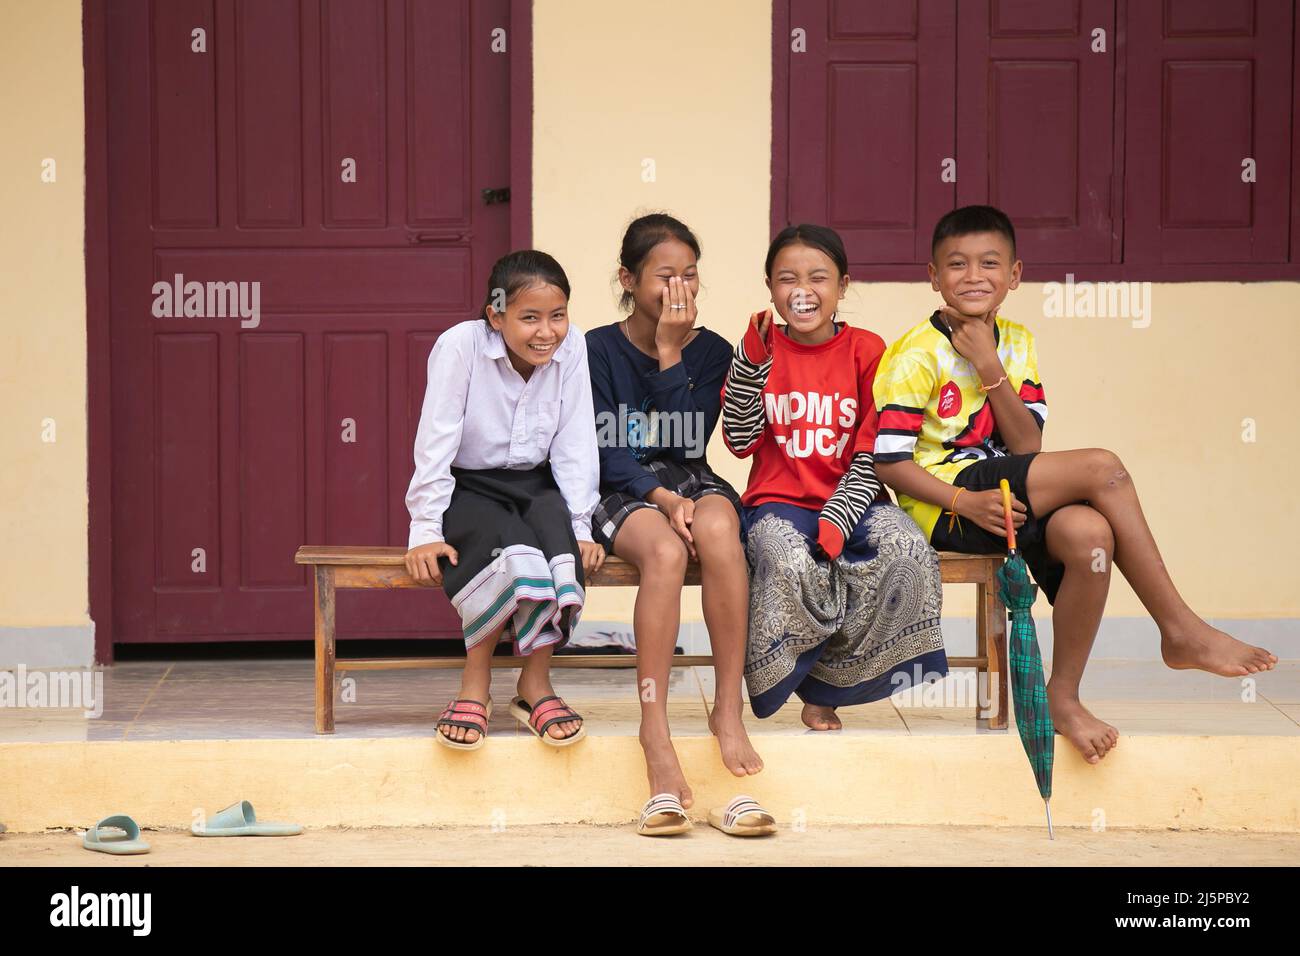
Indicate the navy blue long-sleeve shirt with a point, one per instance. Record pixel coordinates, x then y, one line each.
625 381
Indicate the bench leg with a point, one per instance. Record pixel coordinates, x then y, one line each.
324 649
991 618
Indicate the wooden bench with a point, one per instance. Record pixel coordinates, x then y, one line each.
338 568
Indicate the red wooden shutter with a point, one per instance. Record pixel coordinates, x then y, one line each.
1035 118
870 122
1209 86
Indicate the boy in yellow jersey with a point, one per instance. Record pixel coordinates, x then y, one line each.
961 406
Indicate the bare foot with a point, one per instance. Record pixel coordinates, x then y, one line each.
661 767
1091 737
533 688
821 718
1206 648
738 753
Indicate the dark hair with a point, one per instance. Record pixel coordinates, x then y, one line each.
518 270
642 235
814 236
966 220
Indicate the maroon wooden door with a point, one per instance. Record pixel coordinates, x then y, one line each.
1035 123
335 153
1209 101
870 124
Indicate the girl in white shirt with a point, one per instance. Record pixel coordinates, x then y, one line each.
506 477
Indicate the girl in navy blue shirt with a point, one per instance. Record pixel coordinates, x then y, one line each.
656 388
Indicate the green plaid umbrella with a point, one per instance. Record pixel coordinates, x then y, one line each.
1028 689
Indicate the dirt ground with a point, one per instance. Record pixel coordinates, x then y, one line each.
617 846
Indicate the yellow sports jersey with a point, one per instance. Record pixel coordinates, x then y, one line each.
932 409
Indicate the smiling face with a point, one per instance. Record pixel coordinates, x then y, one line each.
670 258
535 322
806 289
975 272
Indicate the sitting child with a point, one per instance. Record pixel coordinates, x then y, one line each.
656 378
504 486
960 407
844 592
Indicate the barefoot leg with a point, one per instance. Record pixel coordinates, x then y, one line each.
725 584
647 541
1098 477
1079 538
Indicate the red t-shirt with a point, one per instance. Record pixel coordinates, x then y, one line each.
819 412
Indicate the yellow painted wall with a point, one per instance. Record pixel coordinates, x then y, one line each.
688 87
43 518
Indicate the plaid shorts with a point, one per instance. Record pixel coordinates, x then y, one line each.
691 479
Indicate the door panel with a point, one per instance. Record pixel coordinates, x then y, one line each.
871 123
330 155
1211 90
1035 122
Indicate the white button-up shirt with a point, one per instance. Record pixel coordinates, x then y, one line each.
479 412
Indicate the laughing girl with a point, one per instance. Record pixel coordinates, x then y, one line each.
844 590
661 503
503 491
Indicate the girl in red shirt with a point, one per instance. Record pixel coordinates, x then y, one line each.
845 591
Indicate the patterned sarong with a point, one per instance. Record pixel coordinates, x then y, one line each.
845 632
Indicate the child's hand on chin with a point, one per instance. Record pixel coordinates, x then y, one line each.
972 337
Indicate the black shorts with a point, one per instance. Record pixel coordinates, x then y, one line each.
1031 537
690 479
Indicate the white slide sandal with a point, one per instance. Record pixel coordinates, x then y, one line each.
743 817
663 815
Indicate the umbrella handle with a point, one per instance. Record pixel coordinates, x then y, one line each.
1006 514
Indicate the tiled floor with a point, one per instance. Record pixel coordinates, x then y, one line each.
274 699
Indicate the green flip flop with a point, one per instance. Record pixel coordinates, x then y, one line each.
117 834
238 820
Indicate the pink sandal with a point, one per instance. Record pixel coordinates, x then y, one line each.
469 714
542 715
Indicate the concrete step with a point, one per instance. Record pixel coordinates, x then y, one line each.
1158 781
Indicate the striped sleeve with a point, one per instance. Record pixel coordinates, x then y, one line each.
845 507
902 391
742 394
1031 388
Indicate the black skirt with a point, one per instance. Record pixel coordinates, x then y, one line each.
519 563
